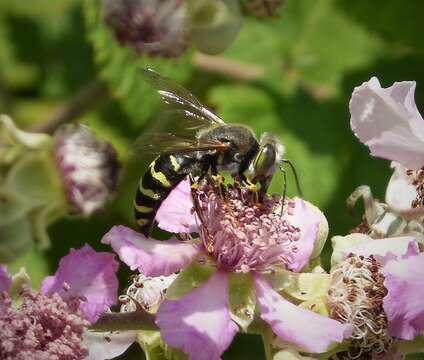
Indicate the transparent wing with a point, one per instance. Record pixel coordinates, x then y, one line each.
180 98
168 142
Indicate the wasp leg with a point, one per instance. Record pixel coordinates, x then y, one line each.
246 183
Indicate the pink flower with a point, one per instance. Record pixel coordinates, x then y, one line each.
378 288
241 236
50 323
388 122
87 275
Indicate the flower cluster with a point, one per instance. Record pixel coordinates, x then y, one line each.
50 323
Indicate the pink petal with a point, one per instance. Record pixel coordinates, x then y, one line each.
404 306
199 323
107 345
175 214
386 249
5 279
87 274
400 193
307 218
151 257
301 327
388 122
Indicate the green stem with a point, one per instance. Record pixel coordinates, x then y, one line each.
266 339
137 320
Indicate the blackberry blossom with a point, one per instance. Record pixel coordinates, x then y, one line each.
239 240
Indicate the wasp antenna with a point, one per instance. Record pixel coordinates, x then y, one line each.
284 189
293 169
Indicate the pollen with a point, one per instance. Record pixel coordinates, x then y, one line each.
417 179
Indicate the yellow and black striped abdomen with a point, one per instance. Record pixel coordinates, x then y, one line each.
163 175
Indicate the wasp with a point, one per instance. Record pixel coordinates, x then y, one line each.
212 146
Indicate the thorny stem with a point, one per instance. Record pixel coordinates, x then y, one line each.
226 67
137 320
84 99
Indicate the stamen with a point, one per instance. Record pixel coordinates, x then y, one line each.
240 233
356 297
417 180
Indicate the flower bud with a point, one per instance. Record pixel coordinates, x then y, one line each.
154 26
89 168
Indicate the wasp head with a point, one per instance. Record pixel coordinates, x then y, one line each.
263 165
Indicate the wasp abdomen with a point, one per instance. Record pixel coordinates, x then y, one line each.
163 175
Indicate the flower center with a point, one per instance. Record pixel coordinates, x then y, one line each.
417 180
241 233
356 297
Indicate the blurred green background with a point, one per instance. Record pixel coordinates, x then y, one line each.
306 62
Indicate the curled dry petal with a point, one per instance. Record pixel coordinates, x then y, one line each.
199 323
175 214
303 328
5 279
388 122
403 303
400 193
151 257
88 275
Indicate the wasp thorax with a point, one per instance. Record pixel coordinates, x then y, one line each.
89 167
154 26
242 234
356 297
147 292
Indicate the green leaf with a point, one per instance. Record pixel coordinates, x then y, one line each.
42 218
413 346
120 67
191 277
15 239
242 299
35 263
301 286
35 176
12 206
342 243
149 339
387 21
21 278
